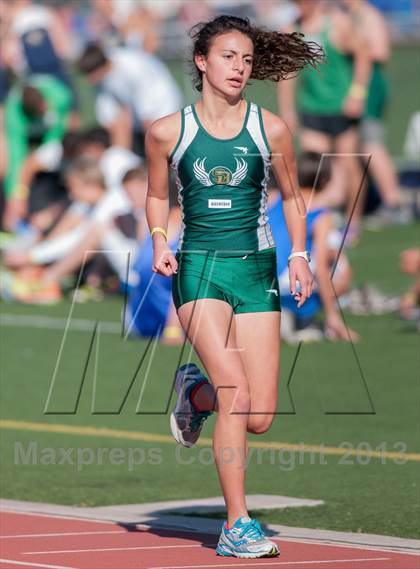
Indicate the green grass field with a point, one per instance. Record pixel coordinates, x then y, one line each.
377 494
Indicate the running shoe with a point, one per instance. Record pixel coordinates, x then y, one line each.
245 539
186 422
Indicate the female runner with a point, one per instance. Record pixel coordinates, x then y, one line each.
224 272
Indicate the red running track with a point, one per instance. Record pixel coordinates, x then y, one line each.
30 541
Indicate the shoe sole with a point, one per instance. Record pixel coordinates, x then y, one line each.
177 433
274 552
174 428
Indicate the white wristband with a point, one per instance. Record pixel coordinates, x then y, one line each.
304 254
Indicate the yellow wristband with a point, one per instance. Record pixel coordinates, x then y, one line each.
21 192
159 230
358 91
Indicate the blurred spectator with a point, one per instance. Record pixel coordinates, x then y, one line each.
87 187
412 140
331 269
5 82
117 236
409 308
331 100
114 161
371 24
163 10
277 15
36 113
190 13
41 173
4 88
36 41
402 16
53 157
96 221
240 8
133 90
134 23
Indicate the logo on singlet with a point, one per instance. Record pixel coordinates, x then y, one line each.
243 149
220 174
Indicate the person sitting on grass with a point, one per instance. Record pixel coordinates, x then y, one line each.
42 171
49 161
97 221
322 241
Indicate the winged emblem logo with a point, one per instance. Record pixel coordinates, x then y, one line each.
220 174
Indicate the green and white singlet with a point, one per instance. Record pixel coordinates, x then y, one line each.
222 186
226 250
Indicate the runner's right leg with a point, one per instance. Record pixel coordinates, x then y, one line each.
210 329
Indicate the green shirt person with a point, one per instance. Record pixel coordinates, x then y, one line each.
35 113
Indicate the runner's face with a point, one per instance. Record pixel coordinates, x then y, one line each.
228 64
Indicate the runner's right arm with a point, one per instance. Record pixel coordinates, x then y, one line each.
161 137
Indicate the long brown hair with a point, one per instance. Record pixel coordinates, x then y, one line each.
277 55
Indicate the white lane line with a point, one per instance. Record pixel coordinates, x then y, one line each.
30 535
94 550
327 542
344 545
54 323
26 564
277 563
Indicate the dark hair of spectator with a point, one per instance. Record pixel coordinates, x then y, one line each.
87 170
72 145
139 173
97 135
314 171
277 55
92 59
33 102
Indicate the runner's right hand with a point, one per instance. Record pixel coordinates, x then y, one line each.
164 262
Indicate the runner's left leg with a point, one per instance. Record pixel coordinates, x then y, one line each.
258 338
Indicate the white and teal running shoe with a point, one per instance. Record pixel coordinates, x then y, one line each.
245 539
186 422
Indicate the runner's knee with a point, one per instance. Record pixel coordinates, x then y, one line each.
259 424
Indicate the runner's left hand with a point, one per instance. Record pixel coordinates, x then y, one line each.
299 271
